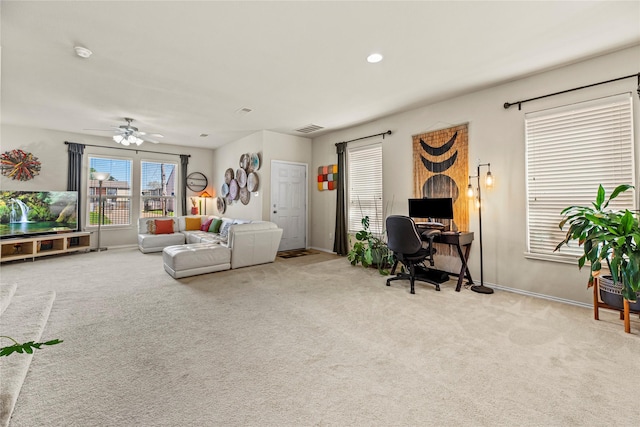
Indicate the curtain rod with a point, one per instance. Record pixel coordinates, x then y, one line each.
519 103
365 137
127 149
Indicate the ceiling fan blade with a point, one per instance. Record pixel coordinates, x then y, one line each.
104 130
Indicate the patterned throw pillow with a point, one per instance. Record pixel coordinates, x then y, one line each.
164 226
192 223
224 229
215 226
151 226
206 224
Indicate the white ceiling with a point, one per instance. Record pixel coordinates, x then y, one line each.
184 68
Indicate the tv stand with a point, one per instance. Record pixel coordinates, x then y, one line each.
46 244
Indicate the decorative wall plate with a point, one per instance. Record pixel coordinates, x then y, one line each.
20 165
221 205
234 189
244 161
225 189
252 182
245 195
241 177
228 175
254 163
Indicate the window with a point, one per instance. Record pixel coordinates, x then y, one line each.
570 151
158 189
365 187
116 191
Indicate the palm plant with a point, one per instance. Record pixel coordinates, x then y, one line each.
607 236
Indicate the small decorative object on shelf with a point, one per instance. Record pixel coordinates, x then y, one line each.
20 165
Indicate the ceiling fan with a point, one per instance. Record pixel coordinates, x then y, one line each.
130 135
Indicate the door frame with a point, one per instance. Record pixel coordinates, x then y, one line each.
306 196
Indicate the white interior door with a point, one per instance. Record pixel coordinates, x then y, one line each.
289 203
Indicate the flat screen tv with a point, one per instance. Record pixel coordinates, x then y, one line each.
27 213
432 208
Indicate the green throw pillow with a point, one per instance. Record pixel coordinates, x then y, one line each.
215 226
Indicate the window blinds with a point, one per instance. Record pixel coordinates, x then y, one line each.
365 187
570 151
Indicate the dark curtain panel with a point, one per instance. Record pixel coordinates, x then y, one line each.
184 162
74 176
341 243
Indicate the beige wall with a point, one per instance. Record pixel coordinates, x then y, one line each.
51 151
496 135
270 146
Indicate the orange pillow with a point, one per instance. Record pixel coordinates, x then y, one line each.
193 223
164 226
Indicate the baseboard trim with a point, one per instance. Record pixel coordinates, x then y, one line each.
322 250
538 295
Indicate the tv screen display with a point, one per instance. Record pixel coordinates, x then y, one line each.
432 208
26 213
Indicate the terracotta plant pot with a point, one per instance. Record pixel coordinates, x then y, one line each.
194 210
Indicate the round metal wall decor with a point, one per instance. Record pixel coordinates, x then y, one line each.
221 205
241 177
252 182
244 161
234 189
19 165
225 189
228 175
254 163
196 181
245 196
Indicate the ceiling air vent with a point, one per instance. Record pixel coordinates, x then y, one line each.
309 128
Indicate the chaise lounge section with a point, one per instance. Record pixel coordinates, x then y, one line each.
201 244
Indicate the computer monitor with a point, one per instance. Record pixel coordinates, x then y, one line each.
432 208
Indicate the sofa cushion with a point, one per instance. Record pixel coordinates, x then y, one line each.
205 225
215 226
192 223
224 228
151 226
164 226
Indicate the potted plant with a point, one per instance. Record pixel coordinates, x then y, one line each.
611 237
370 249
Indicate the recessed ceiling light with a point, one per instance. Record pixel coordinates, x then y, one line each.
374 58
83 52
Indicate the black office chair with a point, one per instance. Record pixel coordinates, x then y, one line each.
404 239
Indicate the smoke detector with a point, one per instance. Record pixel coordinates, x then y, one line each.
83 52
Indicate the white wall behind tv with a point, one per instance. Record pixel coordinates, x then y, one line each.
49 147
496 135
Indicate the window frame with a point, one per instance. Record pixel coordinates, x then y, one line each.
128 199
373 207
589 126
168 199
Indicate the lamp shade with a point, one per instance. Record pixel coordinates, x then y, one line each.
205 194
101 176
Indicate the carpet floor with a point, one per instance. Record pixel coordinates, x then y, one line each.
311 341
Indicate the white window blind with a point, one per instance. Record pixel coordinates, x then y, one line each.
158 189
365 187
116 191
571 150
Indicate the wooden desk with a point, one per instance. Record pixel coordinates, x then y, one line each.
459 240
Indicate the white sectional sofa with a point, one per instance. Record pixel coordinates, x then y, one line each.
249 242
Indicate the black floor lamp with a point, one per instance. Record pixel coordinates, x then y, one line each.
100 176
482 289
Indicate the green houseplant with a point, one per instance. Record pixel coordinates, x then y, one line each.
607 236
370 249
